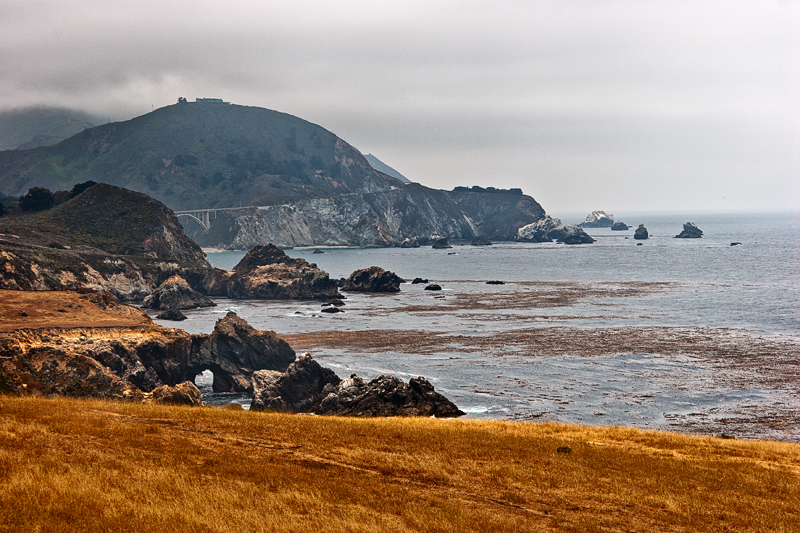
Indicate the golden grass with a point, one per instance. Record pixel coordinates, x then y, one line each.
71 465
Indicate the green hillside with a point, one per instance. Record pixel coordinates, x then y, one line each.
194 155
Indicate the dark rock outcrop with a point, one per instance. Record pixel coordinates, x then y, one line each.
234 351
620 226
308 387
297 389
433 287
495 282
172 314
175 293
373 279
479 241
598 219
412 242
440 244
266 272
641 233
690 231
417 281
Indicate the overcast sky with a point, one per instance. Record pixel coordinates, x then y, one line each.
615 105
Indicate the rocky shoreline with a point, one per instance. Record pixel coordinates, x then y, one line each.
141 361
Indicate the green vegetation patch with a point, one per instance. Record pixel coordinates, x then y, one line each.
109 218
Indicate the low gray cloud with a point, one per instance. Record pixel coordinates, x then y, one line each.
585 105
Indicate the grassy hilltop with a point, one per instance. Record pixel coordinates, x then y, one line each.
72 465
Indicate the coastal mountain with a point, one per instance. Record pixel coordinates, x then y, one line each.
41 126
380 166
283 179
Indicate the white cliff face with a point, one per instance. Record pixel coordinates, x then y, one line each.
381 218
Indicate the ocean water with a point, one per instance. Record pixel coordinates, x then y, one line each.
752 289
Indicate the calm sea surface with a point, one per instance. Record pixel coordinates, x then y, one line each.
754 286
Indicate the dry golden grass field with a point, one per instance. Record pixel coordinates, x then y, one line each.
76 465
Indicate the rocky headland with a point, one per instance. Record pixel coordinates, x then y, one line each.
303 185
124 242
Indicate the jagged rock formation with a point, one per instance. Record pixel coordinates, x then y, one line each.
308 387
234 351
266 272
620 226
598 219
548 228
641 233
310 187
128 362
175 293
410 243
373 279
690 231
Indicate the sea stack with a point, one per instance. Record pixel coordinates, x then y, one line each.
690 231
641 233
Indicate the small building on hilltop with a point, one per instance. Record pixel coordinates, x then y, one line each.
210 101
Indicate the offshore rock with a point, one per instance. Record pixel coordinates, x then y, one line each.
620 226
308 387
539 230
598 219
266 272
185 393
641 233
172 314
440 244
175 293
570 234
234 351
433 287
373 279
690 231
410 243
